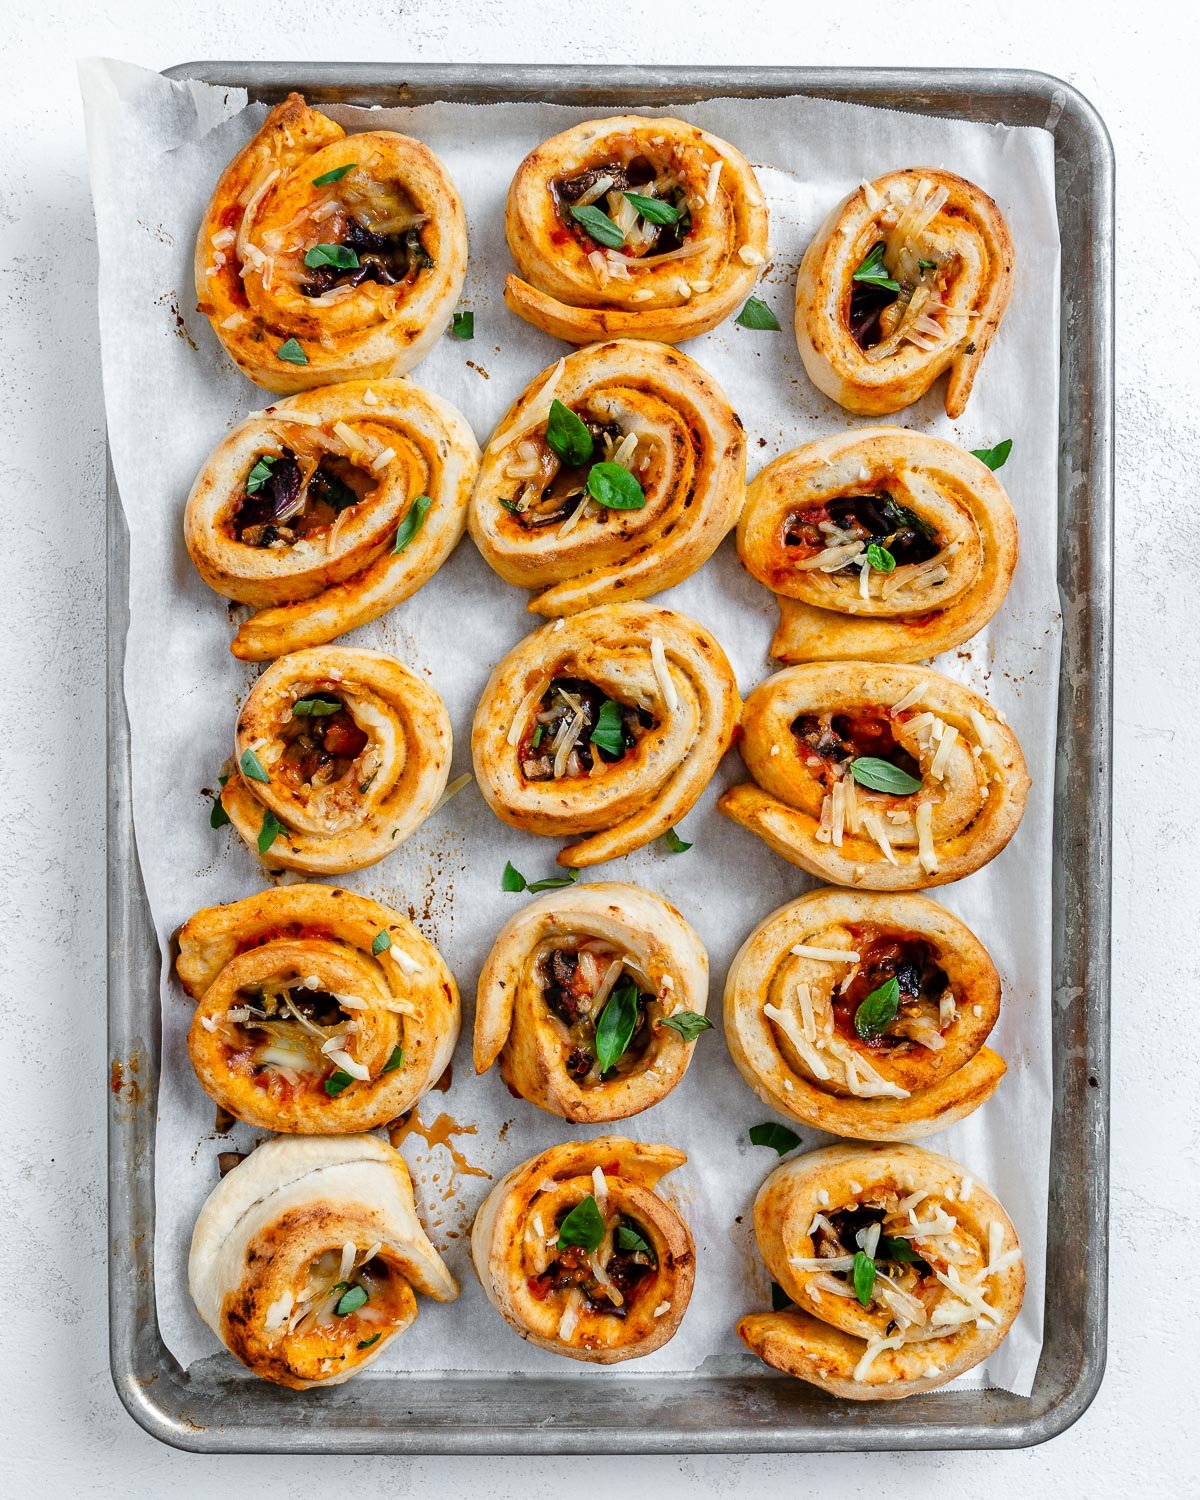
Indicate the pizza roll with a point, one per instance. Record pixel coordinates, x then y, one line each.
615 475
306 1257
324 256
592 998
881 545
325 510
318 1012
339 754
891 778
904 1271
604 728
637 227
581 1256
865 1015
908 277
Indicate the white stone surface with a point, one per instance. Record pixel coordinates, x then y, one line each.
62 1430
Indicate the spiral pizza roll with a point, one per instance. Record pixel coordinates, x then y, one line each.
306 1257
668 427
604 727
908 277
325 510
582 999
865 1015
887 777
646 228
881 544
318 1011
581 1256
325 257
904 1270
339 754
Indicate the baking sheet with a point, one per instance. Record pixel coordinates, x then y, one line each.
157 148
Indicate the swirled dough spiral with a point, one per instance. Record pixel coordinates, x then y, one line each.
318 1011
795 988
605 1305
351 277
942 518
948 257
667 281
300 510
545 984
948 1282
676 707
806 726
342 751
665 420
294 1232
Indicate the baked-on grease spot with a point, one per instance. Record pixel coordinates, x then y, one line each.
170 301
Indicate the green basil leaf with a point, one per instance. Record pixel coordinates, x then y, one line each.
898 1249
614 1029
365 786
511 507
341 256
778 1137
567 436
261 472
552 882
653 210
394 1061
218 817
599 226
873 272
927 265
615 487
512 879
630 1239
688 1024
880 558
350 1301
253 768
316 707
877 1010
412 522
366 1343
882 776
537 735
996 457
864 1277
335 176
336 1082
779 1298
756 314
609 733
291 351
462 325
674 843
382 942
899 517
583 1226
269 832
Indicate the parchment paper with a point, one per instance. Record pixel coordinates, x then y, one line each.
156 150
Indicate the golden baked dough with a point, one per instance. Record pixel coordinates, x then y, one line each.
675 707
614 1282
947 1282
300 510
682 264
318 1011
812 737
908 277
885 1043
555 969
305 1257
941 517
658 415
340 753
325 257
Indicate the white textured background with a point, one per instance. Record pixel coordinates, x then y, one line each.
62 1431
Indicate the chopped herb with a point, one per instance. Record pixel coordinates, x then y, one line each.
340 256
512 879
609 733
899 516
899 1250
253 768
218 817
537 735
316 707
614 1029
778 1137
880 558
269 832
630 1239
412 522
927 265
864 1277
336 1082
873 272
291 351
877 1010
394 1061
996 457
599 226
366 1343
260 473
335 176
613 486
382 942
511 507
674 843
756 314
779 1298
688 1024
567 435
882 776
583 1226
365 786
653 210
351 1300
462 325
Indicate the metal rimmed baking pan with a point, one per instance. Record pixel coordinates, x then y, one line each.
215 1406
